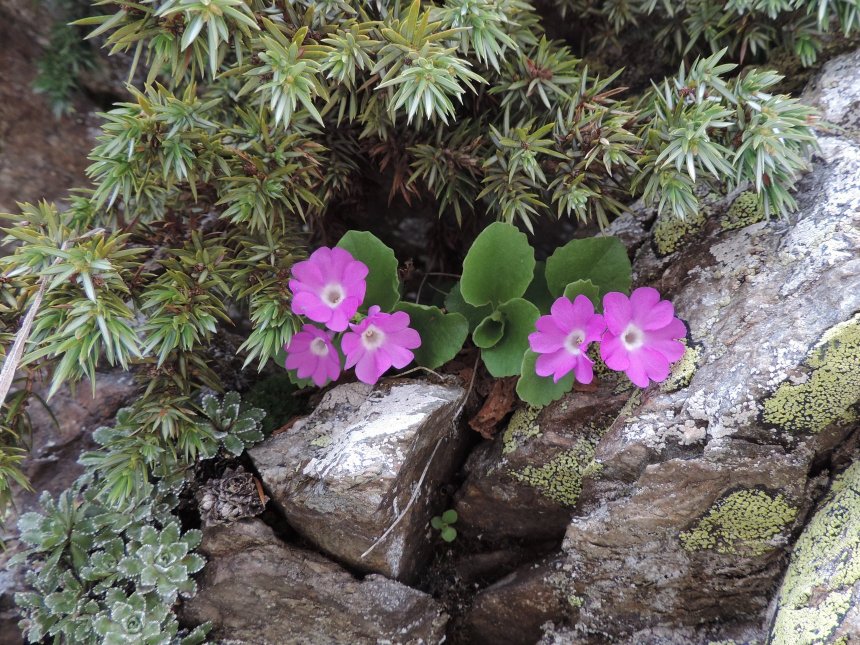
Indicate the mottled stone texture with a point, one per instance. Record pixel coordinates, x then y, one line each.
343 475
836 92
819 601
514 609
256 590
700 491
525 483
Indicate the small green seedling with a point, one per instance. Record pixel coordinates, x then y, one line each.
443 524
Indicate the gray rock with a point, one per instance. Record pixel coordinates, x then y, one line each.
41 156
835 91
260 591
525 484
706 480
513 610
61 435
819 600
346 473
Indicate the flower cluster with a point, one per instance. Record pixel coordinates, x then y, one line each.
638 335
328 288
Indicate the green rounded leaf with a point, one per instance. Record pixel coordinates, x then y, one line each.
505 358
449 516
540 390
603 260
383 285
490 331
437 523
442 335
538 293
498 267
449 533
454 303
583 288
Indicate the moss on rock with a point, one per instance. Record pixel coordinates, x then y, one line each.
823 578
670 233
832 389
743 523
522 426
560 479
745 210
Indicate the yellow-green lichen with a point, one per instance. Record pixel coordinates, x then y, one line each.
670 233
743 523
575 601
745 210
683 370
830 392
323 441
824 569
560 479
522 427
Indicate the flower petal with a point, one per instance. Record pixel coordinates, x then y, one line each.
407 338
655 364
309 273
545 343
399 356
613 353
584 369
616 312
557 364
549 325
594 328
636 370
654 317
309 304
366 369
352 347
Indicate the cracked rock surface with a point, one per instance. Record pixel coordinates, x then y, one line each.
258 590
343 475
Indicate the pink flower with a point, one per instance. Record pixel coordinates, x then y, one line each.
313 355
641 335
328 287
562 339
379 342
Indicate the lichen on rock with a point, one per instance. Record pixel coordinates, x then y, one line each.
745 522
823 579
745 210
683 371
831 390
522 427
669 233
560 479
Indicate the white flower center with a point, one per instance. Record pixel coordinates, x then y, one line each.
573 342
333 294
319 347
372 337
632 338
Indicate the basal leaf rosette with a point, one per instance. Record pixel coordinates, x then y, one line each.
442 335
602 260
498 267
505 357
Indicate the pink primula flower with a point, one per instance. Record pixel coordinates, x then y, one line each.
313 355
328 287
562 338
379 342
641 336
